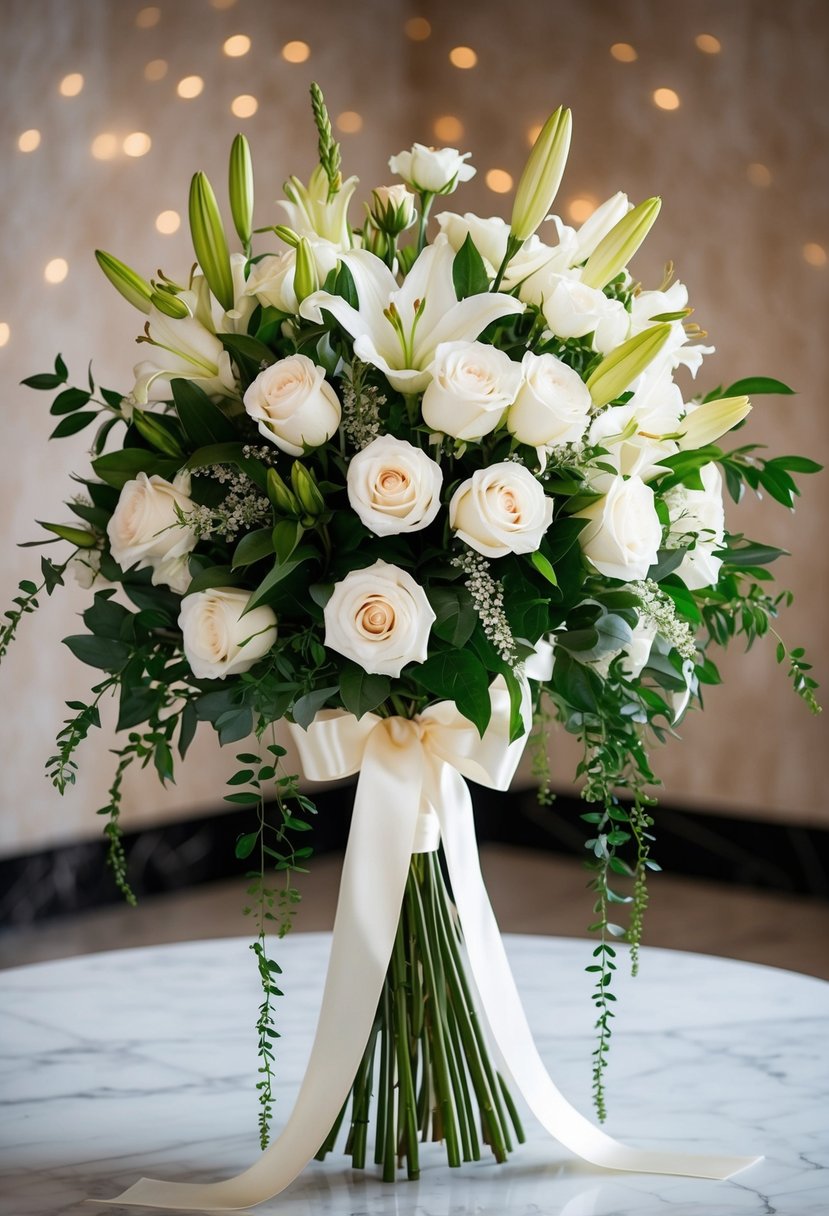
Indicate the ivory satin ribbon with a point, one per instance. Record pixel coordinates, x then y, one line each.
411 793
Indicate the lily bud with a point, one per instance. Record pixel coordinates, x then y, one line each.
625 363
240 187
373 239
392 209
307 490
711 420
306 278
131 286
209 240
616 249
79 537
542 175
170 305
281 496
287 235
149 427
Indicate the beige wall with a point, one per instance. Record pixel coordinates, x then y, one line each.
737 245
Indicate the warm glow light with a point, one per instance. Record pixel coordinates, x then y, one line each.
168 222
223 3
418 29
156 69
499 181
244 106
349 122
104 146
190 87
463 57
5 333
71 85
814 254
533 133
581 209
708 44
146 18
296 52
56 270
448 127
759 175
236 46
27 141
624 52
666 99
137 144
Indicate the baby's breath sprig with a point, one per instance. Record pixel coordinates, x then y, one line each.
488 601
658 607
242 507
361 405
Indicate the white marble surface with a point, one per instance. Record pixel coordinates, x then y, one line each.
142 1062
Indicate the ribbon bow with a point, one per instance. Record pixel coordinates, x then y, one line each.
411 793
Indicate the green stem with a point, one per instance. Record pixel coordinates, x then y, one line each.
387 1098
513 245
407 1105
426 200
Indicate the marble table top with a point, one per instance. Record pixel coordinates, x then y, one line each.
143 1062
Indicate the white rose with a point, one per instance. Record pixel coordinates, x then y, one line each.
500 510
394 487
553 404
574 310
432 170
393 208
294 404
379 617
489 236
623 534
698 518
146 528
271 280
218 640
472 385
85 567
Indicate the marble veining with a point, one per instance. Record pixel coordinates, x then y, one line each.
142 1062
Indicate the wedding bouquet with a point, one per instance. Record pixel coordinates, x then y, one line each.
405 495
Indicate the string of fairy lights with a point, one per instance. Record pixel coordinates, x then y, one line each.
448 129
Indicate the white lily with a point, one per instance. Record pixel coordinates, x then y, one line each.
311 214
398 329
185 348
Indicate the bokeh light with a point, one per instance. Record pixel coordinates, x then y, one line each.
137 143
236 45
708 44
105 146
814 254
666 99
5 333
448 128
168 222
296 52
146 18
156 69
758 174
27 141
56 270
244 106
349 122
499 181
623 52
189 87
71 85
417 28
463 57
581 208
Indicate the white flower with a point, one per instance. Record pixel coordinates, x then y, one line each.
489 236
574 310
596 226
432 170
184 348
271 280
638 650
676 351
379 617
294 404
392 208
146 528
539 665
630 447
623 534
394 487
500 510
698 518
85 567
398 329
472 386
553 404
309 212
218 640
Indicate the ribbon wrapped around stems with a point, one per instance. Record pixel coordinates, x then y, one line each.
411 793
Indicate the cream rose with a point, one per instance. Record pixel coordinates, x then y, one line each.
698 518
394 487
553 404
501 510
472 386
146 528
294 404
379 617
218 640
271 280
574 310
432 170
623 534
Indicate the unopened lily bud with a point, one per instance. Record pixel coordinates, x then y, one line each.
287 235
209 240
79 537
170 305
625 363
306 278
240 187
542 175
711 420
151 429
131 285
615 250
281 496
392 209
373 239
307 490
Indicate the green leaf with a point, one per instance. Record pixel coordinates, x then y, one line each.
361 691
135 706
253 548
544 567
457 675
106 653
213 576
228 453
280 571
248 354
187 730
72 423
76 536
203 422
753 386
750 554
468 271
47 380
578 685
108 619
246 844
69 400
797 464
454 612
305 707
117 468
285 536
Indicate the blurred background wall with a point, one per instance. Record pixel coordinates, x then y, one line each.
110 105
